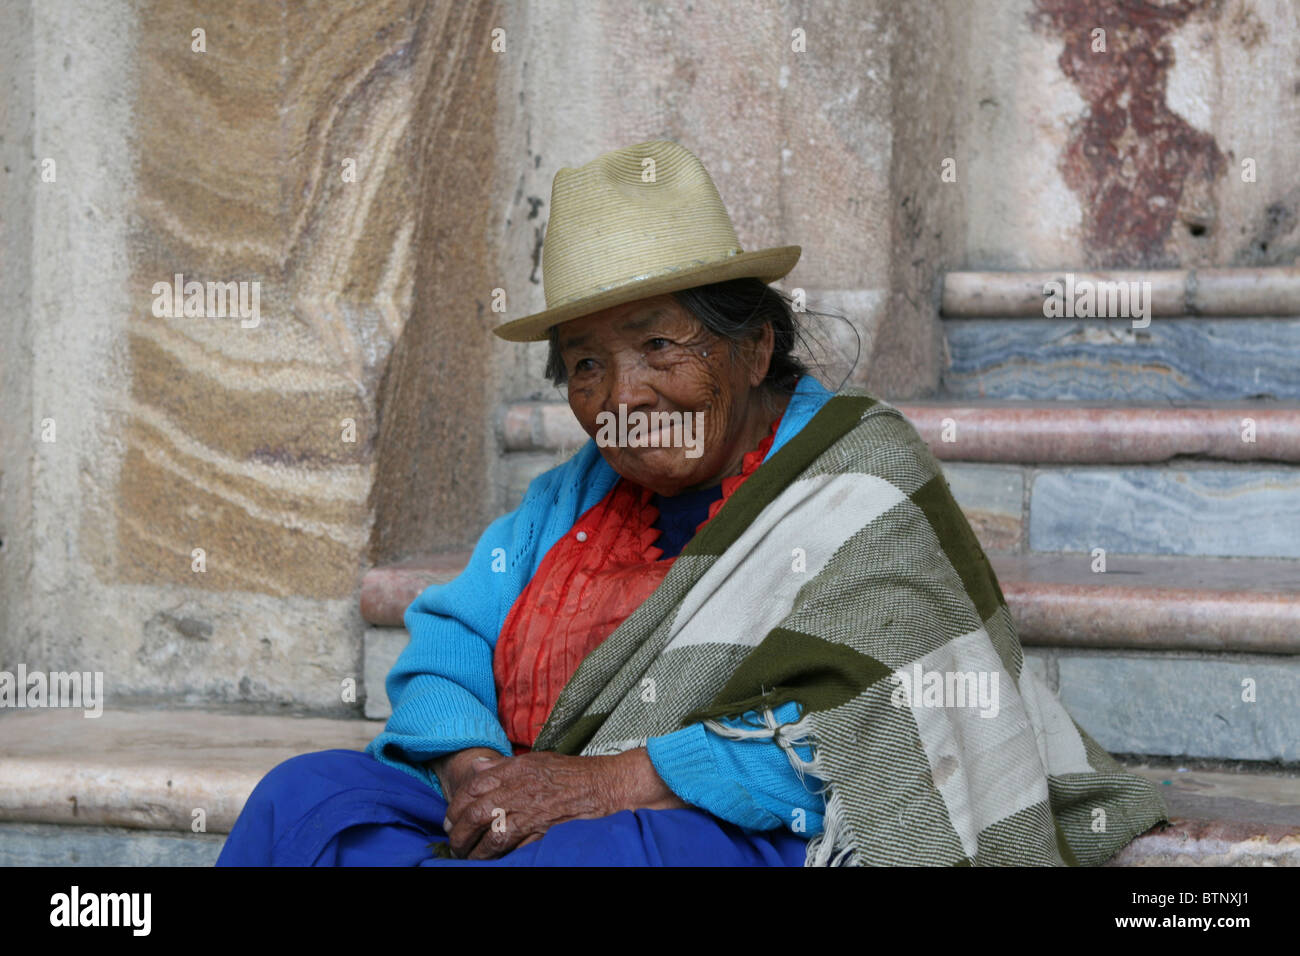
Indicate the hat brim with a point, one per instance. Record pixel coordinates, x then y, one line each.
766 264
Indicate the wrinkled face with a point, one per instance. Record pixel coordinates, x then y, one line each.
650 356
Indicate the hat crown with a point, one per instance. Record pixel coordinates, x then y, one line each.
633 213
634 223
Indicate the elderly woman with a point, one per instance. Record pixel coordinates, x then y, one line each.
773 640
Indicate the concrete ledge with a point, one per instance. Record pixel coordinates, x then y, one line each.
1007 431
1174 292
1171 603
150 769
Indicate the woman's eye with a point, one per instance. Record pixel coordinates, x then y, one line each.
652 342
579 367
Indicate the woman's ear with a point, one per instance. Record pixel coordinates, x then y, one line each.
761 355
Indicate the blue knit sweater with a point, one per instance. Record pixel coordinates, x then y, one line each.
443 690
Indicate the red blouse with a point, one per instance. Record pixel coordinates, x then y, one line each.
601 571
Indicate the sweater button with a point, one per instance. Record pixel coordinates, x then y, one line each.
582 536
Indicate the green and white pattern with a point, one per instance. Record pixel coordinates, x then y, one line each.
837 568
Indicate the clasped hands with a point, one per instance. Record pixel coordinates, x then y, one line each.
496 804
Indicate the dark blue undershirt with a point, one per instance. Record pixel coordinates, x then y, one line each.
680 515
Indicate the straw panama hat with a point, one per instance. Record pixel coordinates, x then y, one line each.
615 238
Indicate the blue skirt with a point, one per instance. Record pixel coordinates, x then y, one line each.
344 808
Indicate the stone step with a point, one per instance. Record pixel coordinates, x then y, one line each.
1218 334
1233 291
387 591
1053 432
1210 480
1198 359
1174 706
1213 843
150 769
1143 703
52 844
1239 605
1115 646
1219 817
121 790
1223 792
1096 433
1189 509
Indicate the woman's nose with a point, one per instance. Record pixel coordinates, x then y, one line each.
631 385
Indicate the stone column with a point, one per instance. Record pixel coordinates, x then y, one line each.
216 483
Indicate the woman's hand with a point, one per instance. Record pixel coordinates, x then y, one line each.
507 802
454 769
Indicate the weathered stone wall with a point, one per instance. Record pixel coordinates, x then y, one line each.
17 221
330 157
794 110
1131 156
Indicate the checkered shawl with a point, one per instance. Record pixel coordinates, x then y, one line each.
839 573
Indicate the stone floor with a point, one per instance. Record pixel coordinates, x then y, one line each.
131 788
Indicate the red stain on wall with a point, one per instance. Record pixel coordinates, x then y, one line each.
1130 157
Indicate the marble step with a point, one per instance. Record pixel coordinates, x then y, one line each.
1239 605
999 430
1231 291
1186 507
122 789
1152 656
52 844
1191 509
1195 334
388 590
150 769
1155 703
1188 359
1172 706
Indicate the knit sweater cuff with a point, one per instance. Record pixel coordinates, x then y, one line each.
684 760
412 753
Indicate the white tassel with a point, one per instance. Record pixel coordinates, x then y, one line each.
825 849
786 736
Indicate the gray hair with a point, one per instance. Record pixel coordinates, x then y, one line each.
735 311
